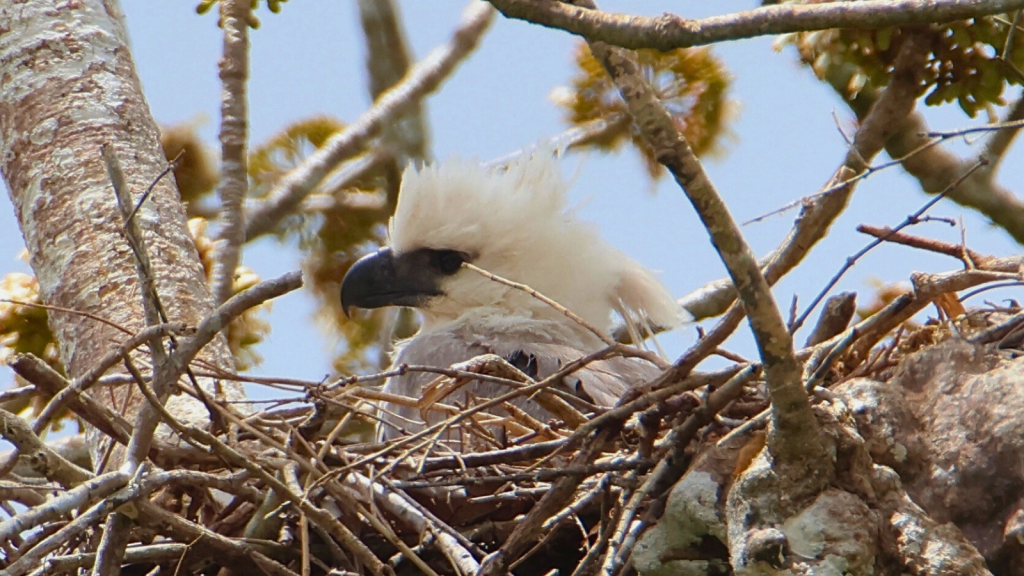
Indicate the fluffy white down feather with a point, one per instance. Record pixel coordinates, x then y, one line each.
514 223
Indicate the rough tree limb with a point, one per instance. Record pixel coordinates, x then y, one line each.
795 439
935 167
888 110
234 175
670 31
72 61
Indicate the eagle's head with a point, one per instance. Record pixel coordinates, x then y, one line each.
512 223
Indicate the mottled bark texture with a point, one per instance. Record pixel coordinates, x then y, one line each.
950 423
234 134
69 87
928 482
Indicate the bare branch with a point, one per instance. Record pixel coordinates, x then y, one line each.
387 61
43 459
796 437
402 507
932 245
146 420
52 383
232 309
565 311
999 142
934 167
234 175
850 261
182 530
71 530
819 212
235 458
674 464
424 78
82 384
670 31
154 553
835 317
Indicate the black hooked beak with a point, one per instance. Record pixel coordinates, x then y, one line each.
384 279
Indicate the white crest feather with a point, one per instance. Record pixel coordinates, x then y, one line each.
514 223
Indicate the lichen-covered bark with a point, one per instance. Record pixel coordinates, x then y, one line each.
69 87
928 481
950 423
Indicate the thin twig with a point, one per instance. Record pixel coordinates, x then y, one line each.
146 419
852 260
234 458
149 189
562 309
930 244
108 361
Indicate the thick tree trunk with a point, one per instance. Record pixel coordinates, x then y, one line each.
69 87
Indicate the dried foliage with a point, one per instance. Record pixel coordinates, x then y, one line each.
248 330
332 238
692 83
194 170
23 329
971 62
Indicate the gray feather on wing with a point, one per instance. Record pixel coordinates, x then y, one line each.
547 344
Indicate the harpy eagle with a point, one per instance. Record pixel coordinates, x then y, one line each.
512 223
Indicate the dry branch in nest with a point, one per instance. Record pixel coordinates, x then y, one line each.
658 483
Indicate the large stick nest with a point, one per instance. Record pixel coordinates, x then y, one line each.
290 490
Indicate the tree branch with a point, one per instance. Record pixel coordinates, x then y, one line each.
889 109
795 440
234 175
387 62
1000 140
231 456
146 420
933 166
41 457
936 167
423 79
77 498
228 311
669 32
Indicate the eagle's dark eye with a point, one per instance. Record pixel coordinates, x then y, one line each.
449 261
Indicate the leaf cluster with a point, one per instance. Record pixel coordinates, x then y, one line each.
248 330
971 62
332 238
691 82
24 330
274 6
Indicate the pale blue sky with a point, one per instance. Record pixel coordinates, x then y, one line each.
310 60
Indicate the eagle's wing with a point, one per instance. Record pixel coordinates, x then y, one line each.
530 345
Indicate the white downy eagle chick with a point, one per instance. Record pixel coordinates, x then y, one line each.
512 223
